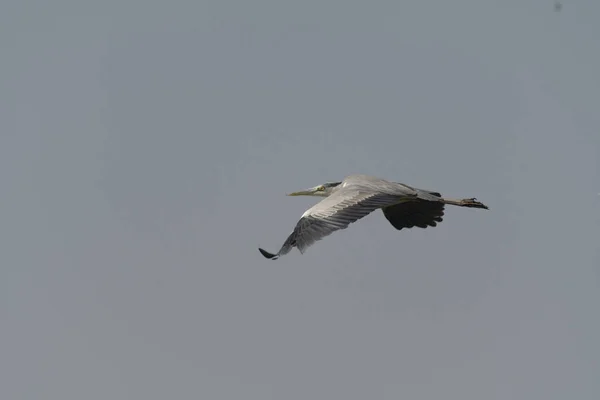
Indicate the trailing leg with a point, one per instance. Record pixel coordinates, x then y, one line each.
473 203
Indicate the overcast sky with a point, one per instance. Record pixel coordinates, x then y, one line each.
145 150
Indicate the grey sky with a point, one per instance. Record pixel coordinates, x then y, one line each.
145 151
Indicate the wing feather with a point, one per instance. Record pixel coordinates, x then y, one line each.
417 213
331 214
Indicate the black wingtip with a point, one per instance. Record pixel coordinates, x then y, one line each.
268 255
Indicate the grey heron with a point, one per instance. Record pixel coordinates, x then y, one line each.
357 196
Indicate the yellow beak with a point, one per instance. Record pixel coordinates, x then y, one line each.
309 192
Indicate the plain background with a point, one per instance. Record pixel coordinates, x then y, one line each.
145 150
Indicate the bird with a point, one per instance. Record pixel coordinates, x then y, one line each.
355 197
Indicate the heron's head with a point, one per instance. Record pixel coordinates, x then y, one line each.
323 190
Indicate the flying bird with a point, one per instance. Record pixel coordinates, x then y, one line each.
357 196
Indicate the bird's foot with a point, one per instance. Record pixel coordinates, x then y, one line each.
473 203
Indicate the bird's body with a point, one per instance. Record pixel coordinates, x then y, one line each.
357 196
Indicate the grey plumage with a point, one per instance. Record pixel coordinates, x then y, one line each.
357 196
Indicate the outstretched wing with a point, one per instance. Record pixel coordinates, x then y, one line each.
333 213
419 213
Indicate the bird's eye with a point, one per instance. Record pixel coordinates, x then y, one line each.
321 188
